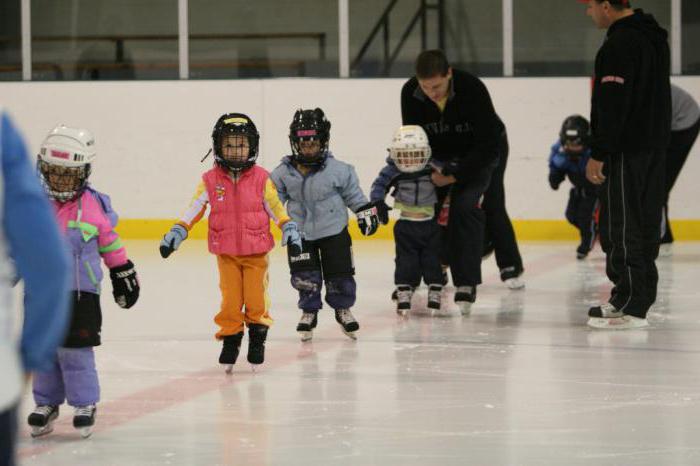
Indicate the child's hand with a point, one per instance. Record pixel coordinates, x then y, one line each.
383 212
291 238
125 285
172 240
367 219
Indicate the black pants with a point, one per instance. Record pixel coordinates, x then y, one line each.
326 260
463 240
417 253
499 233
8 436
631 201
678 150
86 321
580 212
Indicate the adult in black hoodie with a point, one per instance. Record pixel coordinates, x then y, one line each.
466 137
631 123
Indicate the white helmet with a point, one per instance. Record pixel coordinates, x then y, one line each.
410 149
64 163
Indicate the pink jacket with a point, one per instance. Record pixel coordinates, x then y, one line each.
239 224
88 223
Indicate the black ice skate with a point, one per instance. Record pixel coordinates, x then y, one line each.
41 420
347 322
257 333
230 350
307 324
435 301
84 419
404 293
464 298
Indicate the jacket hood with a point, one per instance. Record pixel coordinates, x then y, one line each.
643 22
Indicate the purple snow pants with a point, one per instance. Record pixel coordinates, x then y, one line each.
73 378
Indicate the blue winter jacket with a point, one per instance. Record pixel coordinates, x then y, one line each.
561 165
318 201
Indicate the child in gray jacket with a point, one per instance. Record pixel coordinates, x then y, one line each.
318 189
416 233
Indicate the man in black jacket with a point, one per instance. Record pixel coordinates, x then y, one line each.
455 110
631 123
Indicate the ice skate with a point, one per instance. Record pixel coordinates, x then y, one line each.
347 322
404 293
230 350
464 298
515 283
666 250
624 322
257 334
306 325
41 420
84 419
435 301
604 311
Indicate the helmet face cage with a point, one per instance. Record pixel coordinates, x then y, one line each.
574 131
309 125
410 149
63 183
64 162
235 124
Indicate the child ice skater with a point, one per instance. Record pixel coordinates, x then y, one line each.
242 199
87 219
416 232
318 189
568 158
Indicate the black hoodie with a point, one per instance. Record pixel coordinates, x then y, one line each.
631 103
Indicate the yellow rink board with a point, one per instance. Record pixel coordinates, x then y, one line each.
525 230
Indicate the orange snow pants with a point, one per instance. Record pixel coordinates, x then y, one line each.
243 282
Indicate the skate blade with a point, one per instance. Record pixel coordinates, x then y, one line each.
515 284
402 312
228 368
255 368
465 308
40 431
306 336
351 335
85 432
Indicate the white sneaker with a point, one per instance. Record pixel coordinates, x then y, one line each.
515 283
624 322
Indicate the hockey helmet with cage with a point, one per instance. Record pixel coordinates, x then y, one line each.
64 162
410 150
309 125
575 131
235 124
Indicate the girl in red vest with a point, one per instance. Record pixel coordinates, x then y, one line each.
242 200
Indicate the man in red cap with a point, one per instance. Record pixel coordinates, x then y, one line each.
630 125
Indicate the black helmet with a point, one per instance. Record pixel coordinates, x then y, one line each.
235 124
309 125
575 130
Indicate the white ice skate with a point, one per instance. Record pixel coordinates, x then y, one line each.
515 283
306 325
41 420
404 293
347 322
84 419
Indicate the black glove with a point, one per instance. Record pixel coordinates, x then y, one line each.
367 219
382 212
554 181
125 285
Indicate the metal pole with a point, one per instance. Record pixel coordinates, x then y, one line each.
507 37
26 19
343 39
183 37
676 37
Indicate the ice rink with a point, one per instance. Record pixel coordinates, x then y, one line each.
522 381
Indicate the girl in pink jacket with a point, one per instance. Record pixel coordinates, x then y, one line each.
86 218
242 201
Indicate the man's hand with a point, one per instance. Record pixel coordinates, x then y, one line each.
594 171
441 180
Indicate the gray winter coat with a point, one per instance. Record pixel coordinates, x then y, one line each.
318 202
